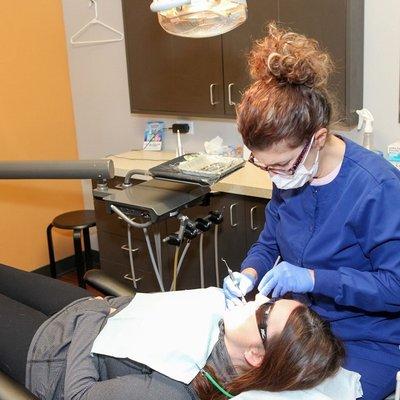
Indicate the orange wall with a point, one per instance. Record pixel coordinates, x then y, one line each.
36 123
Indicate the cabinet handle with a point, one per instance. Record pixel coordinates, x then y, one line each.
126 248
128 277
252 226
232 206
231 103
212 86
132 219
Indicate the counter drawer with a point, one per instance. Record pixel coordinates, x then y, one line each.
115 248
147 282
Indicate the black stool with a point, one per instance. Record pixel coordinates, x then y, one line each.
77 221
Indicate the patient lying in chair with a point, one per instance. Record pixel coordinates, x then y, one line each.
47 342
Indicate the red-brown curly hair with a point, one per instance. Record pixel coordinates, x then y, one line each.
288 99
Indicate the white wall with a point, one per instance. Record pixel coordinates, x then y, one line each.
99 82
382 68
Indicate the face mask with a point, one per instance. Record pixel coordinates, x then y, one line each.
300 177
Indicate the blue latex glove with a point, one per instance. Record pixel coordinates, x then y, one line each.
284 278
244 284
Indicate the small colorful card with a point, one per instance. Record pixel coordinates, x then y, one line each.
154 135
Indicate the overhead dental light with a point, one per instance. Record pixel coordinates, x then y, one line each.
199 18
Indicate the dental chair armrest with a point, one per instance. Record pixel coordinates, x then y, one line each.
12 390
107 284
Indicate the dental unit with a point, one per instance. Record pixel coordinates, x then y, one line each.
166 195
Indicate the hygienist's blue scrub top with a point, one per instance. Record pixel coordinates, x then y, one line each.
348 232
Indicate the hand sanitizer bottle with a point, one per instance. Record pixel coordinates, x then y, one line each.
365 116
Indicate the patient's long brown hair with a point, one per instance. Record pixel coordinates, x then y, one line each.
300 357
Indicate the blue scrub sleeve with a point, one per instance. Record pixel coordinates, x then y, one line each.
263 253
377 229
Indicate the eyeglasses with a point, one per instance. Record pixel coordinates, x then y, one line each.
290 171
262 315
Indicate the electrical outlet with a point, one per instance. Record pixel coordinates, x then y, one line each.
190 123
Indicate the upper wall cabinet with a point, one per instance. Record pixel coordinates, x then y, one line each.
170 74
205 77
339 27
236 45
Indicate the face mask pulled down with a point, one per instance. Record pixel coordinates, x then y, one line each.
301 176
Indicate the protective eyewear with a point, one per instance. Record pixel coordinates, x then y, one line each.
290 171
262 315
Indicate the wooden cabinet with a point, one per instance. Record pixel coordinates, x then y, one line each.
243 222
255 218
170 74
231 233
339 28
236 45
205 77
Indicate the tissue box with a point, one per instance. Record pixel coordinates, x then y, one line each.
394 153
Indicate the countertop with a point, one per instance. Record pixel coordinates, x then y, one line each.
247 181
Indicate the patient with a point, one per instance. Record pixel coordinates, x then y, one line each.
47 330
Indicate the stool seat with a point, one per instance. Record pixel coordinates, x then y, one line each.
78 222
80 219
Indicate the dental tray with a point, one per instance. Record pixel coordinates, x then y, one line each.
200 168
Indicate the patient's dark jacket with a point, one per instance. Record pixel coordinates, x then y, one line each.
60 365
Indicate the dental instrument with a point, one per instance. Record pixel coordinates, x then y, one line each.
261 285
277 261
230 272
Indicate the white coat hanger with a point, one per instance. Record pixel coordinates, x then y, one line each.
92 22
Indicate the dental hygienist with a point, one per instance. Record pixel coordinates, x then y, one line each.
334 216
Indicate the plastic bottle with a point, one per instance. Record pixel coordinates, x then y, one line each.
365 117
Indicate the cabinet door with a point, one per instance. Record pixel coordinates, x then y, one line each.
231 233
114 250
236 45
121 272
170 74
325 21
255 219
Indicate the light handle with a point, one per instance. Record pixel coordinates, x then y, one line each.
164 5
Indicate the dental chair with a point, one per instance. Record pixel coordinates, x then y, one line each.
12 390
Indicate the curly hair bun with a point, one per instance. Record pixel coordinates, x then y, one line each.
290 58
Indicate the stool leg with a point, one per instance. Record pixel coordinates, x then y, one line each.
79 257
88 249
50 246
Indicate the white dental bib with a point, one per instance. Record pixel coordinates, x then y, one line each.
172 332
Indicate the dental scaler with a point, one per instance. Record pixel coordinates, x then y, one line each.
230 272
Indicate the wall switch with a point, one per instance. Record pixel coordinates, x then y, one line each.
190 123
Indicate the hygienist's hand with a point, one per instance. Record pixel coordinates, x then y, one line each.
244 283
286 277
